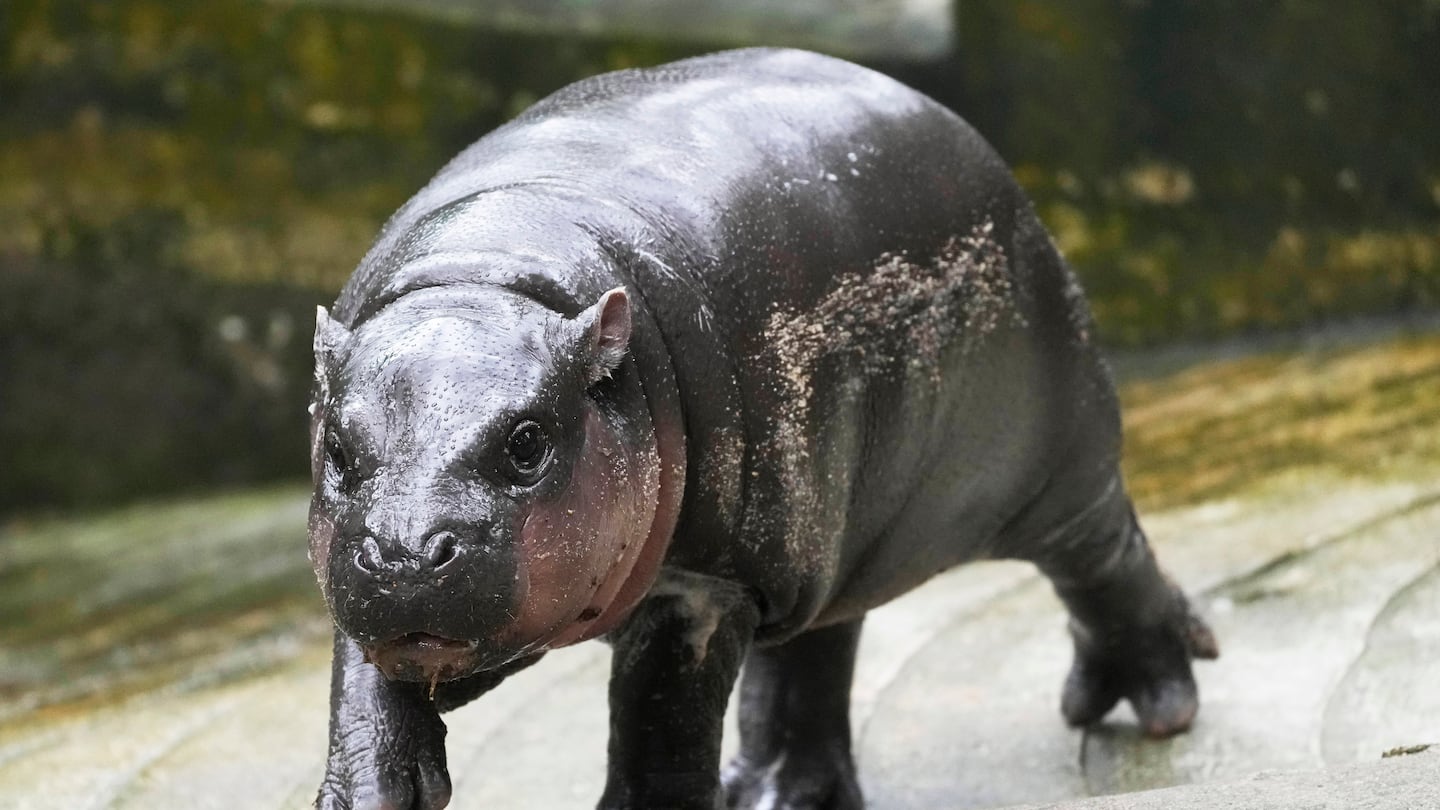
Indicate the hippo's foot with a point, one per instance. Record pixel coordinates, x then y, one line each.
1150 667
821 778
795 726
408 776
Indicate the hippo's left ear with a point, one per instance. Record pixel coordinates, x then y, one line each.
604 334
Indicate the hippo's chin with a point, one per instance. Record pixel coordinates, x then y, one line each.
427 658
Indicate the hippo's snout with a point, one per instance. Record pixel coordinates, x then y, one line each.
441 603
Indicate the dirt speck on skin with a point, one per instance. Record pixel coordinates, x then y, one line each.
1079 310
899 318
721 469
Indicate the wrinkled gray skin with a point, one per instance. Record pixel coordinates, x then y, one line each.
708 360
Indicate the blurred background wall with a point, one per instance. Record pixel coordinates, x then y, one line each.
182 182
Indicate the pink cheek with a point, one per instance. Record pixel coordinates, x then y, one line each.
569 547
317 455
322 534
545 574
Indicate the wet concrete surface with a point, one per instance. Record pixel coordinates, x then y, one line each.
175 656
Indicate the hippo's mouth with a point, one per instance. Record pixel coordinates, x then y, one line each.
424 657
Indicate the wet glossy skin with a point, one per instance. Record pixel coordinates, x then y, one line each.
850 358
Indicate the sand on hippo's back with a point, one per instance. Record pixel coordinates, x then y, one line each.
897 318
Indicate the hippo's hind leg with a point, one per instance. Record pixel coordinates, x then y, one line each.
795 725
1134 632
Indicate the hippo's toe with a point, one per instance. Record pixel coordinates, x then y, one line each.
795 780
425 786
1150 667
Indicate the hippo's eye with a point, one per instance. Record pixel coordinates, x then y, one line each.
528 448
343 462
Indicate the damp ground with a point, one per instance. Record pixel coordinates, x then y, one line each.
175 655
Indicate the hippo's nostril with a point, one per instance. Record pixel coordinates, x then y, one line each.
368 558
440 549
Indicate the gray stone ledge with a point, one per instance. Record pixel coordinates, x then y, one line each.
1404 782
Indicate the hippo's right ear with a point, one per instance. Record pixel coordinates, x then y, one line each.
604 334
328 335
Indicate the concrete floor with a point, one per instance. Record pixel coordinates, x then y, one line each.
1321 581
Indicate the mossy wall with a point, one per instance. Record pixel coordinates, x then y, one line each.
181 182
1214 167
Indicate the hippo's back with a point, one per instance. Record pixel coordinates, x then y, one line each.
687 148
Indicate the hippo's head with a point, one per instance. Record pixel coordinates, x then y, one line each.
485 478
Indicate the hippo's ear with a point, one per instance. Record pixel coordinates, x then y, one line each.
604 334
328 334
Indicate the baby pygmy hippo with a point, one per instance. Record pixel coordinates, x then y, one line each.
708 360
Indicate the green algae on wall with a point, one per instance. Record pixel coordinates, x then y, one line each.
181 182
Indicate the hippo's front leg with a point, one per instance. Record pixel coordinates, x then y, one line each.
675 662
387 742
